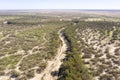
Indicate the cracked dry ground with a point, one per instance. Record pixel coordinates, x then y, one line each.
101 51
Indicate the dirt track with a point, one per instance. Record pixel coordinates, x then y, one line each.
54 64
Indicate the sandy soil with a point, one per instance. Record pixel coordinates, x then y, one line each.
54 64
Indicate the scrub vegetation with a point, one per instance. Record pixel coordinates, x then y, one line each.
59 46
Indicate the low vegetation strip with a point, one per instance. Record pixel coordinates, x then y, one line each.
73 67
94 52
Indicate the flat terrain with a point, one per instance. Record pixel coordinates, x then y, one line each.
59 45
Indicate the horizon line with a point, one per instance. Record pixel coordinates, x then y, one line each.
59 9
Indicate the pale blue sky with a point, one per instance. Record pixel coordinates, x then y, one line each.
59 4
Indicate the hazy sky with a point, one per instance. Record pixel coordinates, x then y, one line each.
59 4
